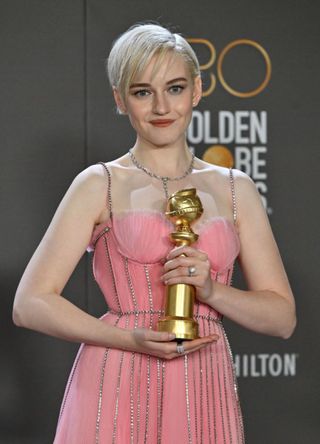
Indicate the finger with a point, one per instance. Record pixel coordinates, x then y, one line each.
144 334
181 261
196 281
197 268
188 345
188 251
194 345
199 347
159 336
169 350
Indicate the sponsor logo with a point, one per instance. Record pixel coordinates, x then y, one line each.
263 365
245 131
208 64
232 138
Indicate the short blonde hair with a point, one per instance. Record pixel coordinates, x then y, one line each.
133 50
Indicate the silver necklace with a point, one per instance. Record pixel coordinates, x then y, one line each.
164 179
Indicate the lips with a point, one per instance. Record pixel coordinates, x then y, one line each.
161 123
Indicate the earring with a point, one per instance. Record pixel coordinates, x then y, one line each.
122 110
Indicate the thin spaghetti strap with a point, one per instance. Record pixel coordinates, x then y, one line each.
109 200
233 196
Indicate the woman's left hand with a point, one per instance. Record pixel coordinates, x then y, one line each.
187 265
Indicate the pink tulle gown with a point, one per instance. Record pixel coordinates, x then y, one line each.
116 396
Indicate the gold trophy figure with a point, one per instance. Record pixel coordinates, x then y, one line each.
184 207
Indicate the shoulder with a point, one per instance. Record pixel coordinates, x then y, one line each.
224 175
89 184
220 175
87 195
247 196
92 179
241 177
248 200
244 185
95 180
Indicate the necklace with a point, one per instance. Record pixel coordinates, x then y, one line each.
164 179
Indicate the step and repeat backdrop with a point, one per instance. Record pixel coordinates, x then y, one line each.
258 114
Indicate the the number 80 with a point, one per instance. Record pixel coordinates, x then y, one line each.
220 60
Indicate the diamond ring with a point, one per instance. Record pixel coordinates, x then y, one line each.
191 271
180 349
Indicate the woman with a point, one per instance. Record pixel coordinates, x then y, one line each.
131 383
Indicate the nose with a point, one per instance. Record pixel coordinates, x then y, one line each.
160 104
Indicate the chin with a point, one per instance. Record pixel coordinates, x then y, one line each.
165 139
164 143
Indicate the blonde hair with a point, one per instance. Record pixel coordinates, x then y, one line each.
133 50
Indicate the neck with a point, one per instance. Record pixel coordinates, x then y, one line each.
163 161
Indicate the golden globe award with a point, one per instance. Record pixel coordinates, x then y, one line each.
183 208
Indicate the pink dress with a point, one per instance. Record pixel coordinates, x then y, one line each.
122 397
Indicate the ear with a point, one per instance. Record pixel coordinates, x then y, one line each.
119 102
197 91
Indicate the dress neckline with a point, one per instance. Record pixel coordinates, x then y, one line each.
198 228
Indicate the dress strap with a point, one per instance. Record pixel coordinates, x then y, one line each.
233 196
109 200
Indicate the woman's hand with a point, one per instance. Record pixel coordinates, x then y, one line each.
161 344
187 265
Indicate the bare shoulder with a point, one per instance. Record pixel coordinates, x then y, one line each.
221 174
247 196
87 195
92 178
248 200
121 170
244 186
242 178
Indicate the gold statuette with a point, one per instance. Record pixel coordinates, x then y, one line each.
184 207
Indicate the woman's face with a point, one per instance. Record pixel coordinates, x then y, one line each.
159 105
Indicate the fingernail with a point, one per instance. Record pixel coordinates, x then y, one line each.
172 336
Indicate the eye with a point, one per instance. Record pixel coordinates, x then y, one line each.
142 93
176 89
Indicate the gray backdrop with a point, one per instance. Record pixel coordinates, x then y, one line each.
57 117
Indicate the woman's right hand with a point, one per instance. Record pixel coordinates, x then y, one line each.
162 344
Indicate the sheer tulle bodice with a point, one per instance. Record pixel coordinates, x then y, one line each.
143 236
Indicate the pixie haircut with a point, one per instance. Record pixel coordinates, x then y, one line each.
134 49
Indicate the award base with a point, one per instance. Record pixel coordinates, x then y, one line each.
178 317
183 328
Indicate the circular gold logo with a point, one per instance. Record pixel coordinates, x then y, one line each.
267 60
219 155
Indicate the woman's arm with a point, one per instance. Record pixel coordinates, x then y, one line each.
268 304
38 302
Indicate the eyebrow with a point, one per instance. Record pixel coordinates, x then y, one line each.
170 82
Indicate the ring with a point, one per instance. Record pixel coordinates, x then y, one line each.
191 271
180 349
